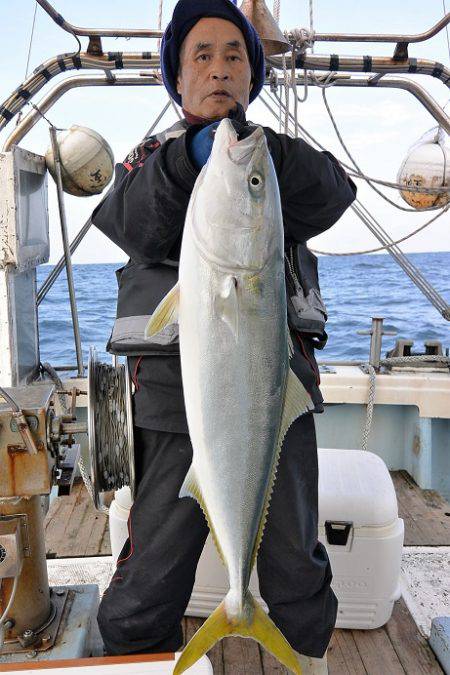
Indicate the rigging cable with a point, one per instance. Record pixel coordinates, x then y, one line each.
377 230
352 159
31 40
360 174
30 43
446 27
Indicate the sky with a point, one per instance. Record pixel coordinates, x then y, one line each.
379 126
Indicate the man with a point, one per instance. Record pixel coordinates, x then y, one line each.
213 65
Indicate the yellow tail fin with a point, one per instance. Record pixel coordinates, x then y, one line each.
254 624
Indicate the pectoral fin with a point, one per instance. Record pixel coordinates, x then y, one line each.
165 314
227 304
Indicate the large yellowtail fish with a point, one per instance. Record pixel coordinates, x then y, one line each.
241 396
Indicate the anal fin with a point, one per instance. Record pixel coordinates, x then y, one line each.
191 488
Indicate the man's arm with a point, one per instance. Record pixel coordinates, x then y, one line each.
144 213
315 190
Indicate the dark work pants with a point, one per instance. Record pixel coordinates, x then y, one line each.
142 609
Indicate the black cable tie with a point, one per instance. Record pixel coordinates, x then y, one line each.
300 61
24 93
334 61
117 57
59 20
438 70
367 68
45 73
412 65
61 64
7 114
76 61
146 55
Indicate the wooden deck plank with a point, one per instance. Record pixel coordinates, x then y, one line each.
78 527
424 512
343 655
270 664
241 656
56 521
413 650
97 534
377 653
105 543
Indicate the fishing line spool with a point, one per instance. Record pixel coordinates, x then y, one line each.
111 442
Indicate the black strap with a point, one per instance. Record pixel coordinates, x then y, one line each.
412 65
438 70
7 114
334 61
367 68
117 57
24 93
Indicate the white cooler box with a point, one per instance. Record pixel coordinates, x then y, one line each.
358 523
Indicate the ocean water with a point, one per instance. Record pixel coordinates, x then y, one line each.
354 289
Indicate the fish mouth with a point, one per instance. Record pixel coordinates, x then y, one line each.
241 151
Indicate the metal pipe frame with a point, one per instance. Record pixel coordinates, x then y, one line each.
367 64
383 37
386 82
58 64
67 256
322 37
132 60
73 82
97 32
60 265
143 79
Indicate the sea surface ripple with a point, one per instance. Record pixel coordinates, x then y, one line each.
354 289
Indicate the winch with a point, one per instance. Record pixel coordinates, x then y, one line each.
39 453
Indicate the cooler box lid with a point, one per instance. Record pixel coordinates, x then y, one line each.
355 485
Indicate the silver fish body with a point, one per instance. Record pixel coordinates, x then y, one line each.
240 394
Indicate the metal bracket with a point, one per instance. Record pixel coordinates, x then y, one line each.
401 51
23 519
376 333
43 638
67 469
95 45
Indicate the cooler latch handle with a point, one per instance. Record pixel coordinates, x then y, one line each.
337 531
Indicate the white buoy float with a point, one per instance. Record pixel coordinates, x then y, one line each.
427 164
87 161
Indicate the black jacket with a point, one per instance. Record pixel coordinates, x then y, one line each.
144 215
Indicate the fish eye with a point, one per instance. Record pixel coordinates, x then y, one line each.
256 181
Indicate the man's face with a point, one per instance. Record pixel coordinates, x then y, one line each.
215 72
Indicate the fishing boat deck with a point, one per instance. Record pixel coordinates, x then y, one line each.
74 529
